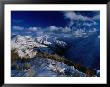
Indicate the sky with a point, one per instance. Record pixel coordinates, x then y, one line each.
32 22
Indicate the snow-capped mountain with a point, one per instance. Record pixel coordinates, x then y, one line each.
49 40
27 47
24 46
24 41
69 47
43 40
56 44
81 50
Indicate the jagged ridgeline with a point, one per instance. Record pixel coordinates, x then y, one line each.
45 56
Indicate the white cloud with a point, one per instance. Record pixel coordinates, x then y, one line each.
39 33
58 29
66 29
33 29
70 23
17 27
93 30
97 17
94 23
74 16
13 33
79 33
53 28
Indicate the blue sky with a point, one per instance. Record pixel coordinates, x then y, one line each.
38 18
30 22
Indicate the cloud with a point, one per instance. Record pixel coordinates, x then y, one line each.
13 33
28 32
17 28
79 33
93 30
39 33
58 29
33 29
53 28
66 29
87 24
97 17
74 16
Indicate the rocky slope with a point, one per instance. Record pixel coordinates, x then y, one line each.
39 57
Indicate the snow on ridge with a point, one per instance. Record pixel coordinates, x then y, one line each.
50 68
25 41
45 40
62 43
24 46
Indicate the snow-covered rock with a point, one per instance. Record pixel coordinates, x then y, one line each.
42 67
24 46
51 41
80 51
